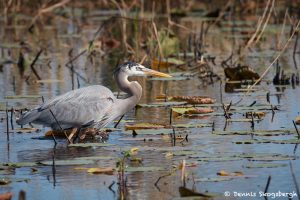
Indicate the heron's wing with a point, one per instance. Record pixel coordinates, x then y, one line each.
95 91
78 108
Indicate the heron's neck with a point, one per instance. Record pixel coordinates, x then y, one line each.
133 89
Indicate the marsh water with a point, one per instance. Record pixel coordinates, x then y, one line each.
206 152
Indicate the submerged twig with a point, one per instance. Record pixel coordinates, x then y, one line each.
296 129
53 166
7 124
171 116
295 180
295 49
11 118
269 67
33 63
267 186
159 178
110 187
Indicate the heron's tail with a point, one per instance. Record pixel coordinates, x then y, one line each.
28 117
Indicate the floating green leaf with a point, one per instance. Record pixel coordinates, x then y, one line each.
139 126
191 110
191 125
68 162
143 169
266 165
257 132
90 145
258 141
20 164
95 158
218 158
213 179
242 120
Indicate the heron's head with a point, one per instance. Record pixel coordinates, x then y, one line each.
135 69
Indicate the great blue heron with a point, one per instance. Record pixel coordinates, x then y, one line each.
92 106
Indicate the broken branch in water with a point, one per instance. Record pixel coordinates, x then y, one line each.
296 129
159 178
295 180
269 67
7 124
267 186
33 63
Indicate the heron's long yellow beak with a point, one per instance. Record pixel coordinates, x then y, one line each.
155 73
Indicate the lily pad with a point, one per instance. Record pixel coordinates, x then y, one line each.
162 104
143 169
213 179
68 162
85 145
184 153
20 164
160 131
27 130
95 158
271 158
98 170
242 120
143 126
191 125
257 132
266 156
266 165
218 158
191 110
193 99
258 141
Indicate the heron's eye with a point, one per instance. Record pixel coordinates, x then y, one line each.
138 69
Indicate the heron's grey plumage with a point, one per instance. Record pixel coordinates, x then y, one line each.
90 106
76 108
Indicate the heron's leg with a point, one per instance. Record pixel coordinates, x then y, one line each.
77 134
71 135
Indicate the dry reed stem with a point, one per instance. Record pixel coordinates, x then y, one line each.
158 42
257 31
266 22
282 29
48 9
260 21
277 57
143 59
